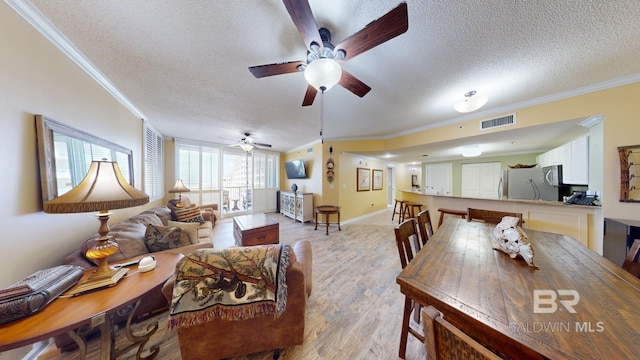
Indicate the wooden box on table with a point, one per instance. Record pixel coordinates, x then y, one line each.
258 229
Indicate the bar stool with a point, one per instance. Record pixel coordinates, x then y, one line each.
443 211
409 211
398 211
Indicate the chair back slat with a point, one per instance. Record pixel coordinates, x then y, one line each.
632 261
405 234
491 216
443 341
425 226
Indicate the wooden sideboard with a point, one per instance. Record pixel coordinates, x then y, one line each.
302 207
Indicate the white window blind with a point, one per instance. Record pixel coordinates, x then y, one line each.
153 162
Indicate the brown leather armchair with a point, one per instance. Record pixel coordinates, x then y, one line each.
219 338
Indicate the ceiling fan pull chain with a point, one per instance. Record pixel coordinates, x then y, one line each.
321 114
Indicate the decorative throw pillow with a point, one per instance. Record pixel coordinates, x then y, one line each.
189 214
160 238
190 228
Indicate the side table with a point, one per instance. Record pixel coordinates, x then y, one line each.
79 314
327 210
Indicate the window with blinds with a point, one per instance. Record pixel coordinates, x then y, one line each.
153 163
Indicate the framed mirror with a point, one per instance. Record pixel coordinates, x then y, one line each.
65 153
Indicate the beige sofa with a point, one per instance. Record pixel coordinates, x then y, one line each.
130 236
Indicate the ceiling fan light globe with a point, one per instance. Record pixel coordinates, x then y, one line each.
246 147
470 103
323 73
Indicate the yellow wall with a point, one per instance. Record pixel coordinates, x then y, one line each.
618 107
312 157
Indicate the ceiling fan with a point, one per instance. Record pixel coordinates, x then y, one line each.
247 143
321 53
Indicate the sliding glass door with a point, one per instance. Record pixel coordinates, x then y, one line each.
237 182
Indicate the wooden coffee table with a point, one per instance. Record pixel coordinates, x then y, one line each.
77 315
257 229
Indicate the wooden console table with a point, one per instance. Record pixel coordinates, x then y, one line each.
588 308
79 314
298 206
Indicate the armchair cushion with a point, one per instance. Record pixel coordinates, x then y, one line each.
260 333
236 283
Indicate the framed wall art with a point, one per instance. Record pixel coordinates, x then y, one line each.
377 179
363 179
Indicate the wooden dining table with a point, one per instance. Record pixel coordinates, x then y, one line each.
575 305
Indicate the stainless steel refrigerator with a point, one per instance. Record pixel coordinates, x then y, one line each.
528 184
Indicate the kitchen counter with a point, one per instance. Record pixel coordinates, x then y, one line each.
538 202
584 223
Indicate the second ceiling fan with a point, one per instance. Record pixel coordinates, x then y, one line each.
324 56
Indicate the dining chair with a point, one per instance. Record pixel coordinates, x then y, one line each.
405 235
443 341
424 226
632 261
491 216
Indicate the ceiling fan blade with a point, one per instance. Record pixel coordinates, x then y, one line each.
275 69
309 96
392 24
303 18
352 84
261 144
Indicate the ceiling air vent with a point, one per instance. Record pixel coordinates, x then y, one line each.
498 122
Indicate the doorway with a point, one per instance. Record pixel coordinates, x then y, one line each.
391 186
237 184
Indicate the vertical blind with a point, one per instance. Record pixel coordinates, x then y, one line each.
153 162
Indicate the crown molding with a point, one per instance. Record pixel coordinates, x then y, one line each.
36 19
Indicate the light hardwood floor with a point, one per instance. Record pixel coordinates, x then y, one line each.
355 309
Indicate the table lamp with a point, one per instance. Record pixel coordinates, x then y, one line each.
179 188
102 189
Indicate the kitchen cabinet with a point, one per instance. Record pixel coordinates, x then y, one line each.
552 157
575 169
574 158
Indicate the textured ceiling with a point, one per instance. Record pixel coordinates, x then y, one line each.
183 64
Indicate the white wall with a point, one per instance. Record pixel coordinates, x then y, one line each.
36 78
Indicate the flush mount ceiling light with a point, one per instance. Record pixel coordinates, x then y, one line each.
471 151
323 73
470 102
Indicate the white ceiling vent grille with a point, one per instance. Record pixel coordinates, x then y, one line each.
506 120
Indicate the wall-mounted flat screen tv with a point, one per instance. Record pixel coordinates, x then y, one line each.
295 169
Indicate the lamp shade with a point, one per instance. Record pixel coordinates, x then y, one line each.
471 102
103 188
323 73
179 187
